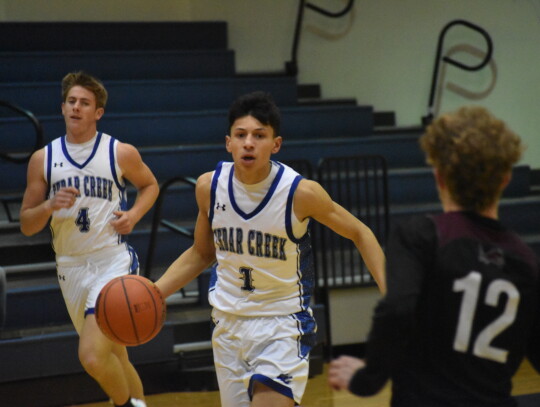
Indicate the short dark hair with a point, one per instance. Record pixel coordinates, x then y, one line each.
258 104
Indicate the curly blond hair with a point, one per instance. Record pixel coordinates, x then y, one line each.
473 151
86 81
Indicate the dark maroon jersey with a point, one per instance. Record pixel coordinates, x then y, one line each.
461 313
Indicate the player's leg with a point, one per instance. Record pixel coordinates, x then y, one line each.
134 381
231 370
111 264
264 396
278 357
99 361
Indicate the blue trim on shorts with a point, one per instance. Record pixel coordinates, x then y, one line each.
89 311
280 388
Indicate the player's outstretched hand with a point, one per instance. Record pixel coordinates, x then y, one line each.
123 223
341 371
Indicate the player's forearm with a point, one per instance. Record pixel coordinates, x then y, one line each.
373 256
393 322
182 271
145 199
33 220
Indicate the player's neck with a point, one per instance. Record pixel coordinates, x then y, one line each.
252 176
80 137
451 206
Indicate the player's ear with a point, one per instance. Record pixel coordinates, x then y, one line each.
506 180
227 142
439 179
99 112
277 144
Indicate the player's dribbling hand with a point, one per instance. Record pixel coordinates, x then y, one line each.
123 223
64 198
341 371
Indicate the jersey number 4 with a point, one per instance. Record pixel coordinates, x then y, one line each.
470 286
83 220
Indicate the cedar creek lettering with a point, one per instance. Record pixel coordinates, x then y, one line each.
95 187
258 243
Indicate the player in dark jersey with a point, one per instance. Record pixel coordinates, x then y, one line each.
462 308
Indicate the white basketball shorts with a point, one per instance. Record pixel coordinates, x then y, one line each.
81 278
271 350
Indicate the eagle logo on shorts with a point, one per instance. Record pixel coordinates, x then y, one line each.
285 378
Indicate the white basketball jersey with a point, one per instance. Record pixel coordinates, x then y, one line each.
264 257
92 168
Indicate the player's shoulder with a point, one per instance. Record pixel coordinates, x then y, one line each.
417 230
37 156
205 179
203 188
415 222
308 194
126 152
204 183
308 189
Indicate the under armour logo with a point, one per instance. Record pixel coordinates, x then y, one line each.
222 207
61 164
285 378
61 277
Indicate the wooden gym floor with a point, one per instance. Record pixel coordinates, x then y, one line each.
318 394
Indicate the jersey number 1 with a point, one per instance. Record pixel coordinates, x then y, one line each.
246 275
470 286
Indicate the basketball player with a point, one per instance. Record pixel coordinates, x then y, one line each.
77 181
462 308
253 219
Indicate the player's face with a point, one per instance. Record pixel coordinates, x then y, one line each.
80 112
251 144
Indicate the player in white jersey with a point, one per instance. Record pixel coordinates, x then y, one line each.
77 181
253 219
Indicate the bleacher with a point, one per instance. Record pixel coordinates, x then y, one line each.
170 85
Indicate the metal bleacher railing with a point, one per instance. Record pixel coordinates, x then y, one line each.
435 78
291 67
18 157
22 158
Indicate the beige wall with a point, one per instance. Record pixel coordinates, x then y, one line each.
351 311
382 53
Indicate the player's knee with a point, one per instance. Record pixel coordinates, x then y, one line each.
92 362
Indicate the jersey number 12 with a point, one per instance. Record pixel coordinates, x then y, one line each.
470 286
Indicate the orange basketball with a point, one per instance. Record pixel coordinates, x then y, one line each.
130 310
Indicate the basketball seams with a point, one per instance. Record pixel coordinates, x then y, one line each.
130 311
155 309
140 323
